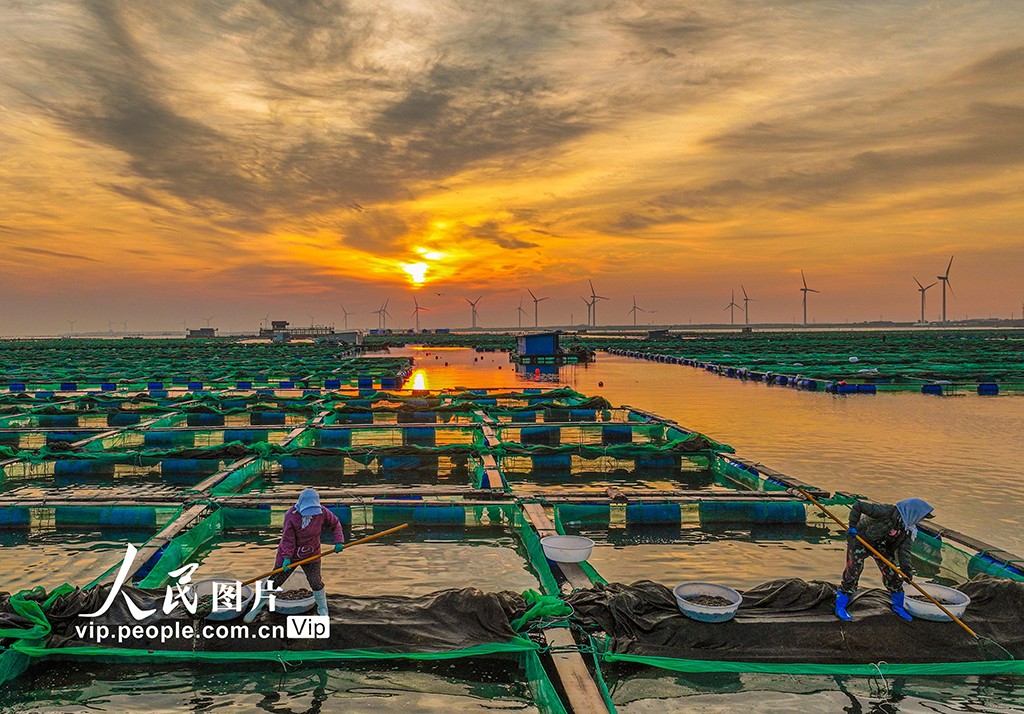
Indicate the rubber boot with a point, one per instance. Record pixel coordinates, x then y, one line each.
251 615
897 605
321 601
842 600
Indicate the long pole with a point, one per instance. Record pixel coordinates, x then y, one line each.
323 555
885 560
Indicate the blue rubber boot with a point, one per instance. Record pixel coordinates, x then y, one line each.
897 605
842 600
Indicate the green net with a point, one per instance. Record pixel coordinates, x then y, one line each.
182 547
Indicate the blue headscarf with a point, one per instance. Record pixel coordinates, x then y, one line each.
912 510
308 505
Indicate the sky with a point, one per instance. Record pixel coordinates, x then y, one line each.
166 162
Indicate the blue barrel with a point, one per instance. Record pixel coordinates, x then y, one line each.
450 515
846 389
310 392
545 435
367 392
8 438
44 395
264 392
195 385
16 388
988 389
552 462
71 437
154 385
15 517
120 517
616 434
556 415
286 385
931 389
585 514
419 436
204 419
243 385
582 415
57 420
335 437
234 404
332 384
524 417
108 387
655 463
246 436
407 463
355 418
78 467
266 418
344 513
188 466
653 513
158 393
751 512
531 391
168 438
364 383
68 387
866 389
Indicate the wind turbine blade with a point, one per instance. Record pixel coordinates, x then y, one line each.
744 292
919 284
591 285
601 297
531 294
932 285
813 291
479 299
587 302
948 285
803 278
950 265
543 299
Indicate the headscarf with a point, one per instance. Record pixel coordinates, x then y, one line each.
308 505
912 510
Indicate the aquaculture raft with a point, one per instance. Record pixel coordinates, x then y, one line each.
189 465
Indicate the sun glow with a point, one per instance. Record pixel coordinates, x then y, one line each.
416 270
419 379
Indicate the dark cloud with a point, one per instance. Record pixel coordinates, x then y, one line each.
493 232
634 221
51 253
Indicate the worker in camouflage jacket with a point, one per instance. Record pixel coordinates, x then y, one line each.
890 530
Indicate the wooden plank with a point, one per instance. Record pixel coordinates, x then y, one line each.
580 688
573 572
212 481
164 536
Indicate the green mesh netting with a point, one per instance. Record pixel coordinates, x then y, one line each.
182 547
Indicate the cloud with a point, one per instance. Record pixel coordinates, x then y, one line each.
493 232
51 253
629 221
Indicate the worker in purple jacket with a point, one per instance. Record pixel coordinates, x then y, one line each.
300 539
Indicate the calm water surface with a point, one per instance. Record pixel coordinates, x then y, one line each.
960 453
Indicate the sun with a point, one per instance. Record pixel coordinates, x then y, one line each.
416 270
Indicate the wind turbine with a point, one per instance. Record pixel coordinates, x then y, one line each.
746 306
945 284
124 326
311 322
472 305
207 321
266 321
536 301
521 312
635 310
921 288
590 307
184 324
806 290
72 323
110 325
731 307
416 312
347 313
383 315
594 298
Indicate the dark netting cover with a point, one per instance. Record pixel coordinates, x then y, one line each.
792 621
443 621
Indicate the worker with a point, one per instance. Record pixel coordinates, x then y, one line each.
890 530
300 539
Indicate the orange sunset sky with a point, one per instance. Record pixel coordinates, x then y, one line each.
169 161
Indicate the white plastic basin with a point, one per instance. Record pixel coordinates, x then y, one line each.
205 587
567 549
707 613
294 607
920 606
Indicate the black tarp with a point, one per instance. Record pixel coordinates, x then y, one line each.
792 621
443 621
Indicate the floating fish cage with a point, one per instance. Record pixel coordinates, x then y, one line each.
203 476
